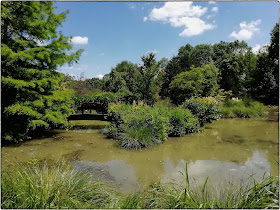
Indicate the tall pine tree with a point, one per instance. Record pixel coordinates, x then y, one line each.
33 96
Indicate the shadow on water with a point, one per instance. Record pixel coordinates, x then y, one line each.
29 142
235 139
74 155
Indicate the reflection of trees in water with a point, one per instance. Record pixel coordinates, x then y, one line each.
218 171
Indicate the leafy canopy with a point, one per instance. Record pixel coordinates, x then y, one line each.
33 94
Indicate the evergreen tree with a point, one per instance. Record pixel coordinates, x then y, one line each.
33 94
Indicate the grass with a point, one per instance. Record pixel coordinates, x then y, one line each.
137 126
244 108
38 185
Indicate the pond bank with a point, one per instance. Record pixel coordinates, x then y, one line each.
226 148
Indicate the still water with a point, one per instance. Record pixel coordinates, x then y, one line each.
228 149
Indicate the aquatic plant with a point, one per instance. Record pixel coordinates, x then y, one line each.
242 108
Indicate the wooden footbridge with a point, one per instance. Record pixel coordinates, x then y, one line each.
101 108
89 116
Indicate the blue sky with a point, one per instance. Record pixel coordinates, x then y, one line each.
111 32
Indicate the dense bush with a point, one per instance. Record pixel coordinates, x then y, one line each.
242 108
181 121
205 109
137 126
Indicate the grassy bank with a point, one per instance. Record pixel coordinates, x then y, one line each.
41 186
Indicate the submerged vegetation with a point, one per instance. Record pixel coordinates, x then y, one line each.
38 185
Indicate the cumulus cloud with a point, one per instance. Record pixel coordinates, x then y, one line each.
182 14
79 40
212 2
247 30
145 19
100 76
215 9
260 48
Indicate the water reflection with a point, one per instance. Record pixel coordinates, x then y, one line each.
218 171
226 149
123 174
117 172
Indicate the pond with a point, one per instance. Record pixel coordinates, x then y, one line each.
228 149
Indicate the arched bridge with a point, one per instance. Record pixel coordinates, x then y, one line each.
89 116
101 109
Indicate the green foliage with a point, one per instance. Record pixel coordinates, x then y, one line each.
137 126
265 80
186 85
205 109
33 93
242 108
181 121
38 185
196 82
148 80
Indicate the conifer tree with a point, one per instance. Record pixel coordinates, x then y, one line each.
33 95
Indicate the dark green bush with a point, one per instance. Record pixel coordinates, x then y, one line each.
205 109
138 126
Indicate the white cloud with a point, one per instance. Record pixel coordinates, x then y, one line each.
215 9
247 30
101 54
152 51
79 40
212 2
182 14
145 19
260 48
100 76
76 68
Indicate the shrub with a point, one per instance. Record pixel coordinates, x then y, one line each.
204 109
182 122
242 108
137 126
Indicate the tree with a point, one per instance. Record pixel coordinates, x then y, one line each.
33 93
186 84
199 81
148 79
201 55
266 77
123 77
